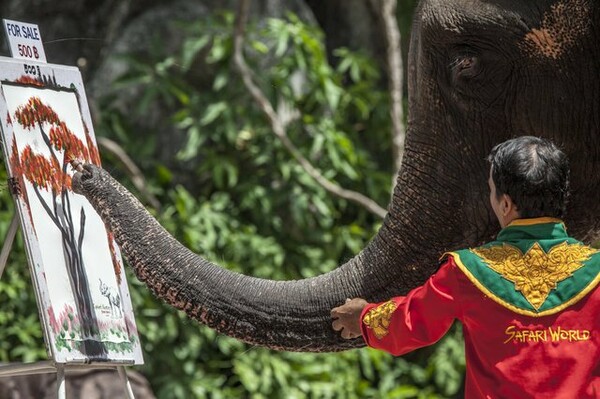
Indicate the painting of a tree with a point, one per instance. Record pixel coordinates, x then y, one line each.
48 172
76 266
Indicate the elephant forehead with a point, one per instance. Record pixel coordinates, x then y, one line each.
468 16
562 27
543 31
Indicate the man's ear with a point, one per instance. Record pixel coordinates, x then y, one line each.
507 205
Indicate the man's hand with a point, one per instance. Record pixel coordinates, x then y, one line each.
346 318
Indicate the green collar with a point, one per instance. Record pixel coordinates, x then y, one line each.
533 229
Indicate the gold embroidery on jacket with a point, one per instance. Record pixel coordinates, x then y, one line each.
378 319
550 334
535 273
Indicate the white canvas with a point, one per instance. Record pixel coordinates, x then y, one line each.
77 268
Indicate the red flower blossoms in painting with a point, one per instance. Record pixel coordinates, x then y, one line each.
63 139
93 150
43 173
17 172
15 161
28 80
35 112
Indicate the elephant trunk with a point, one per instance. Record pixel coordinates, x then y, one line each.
283 315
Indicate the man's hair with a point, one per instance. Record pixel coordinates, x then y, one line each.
534 173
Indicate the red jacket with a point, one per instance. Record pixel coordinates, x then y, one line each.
530 308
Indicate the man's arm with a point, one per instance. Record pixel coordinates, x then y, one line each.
403 323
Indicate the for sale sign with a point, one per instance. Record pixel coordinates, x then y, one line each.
25 41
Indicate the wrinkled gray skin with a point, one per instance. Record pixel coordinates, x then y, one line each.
480 72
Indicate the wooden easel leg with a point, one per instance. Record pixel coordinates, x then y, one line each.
126 384
60 382
8 242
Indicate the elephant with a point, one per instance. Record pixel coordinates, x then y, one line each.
480 72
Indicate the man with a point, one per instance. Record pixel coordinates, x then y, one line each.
529 302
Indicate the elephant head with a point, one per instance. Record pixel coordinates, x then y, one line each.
480 72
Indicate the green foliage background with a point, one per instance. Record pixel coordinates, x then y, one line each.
236 196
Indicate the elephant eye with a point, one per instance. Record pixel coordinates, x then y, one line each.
465 66
465 63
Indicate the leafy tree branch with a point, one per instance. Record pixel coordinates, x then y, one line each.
278 126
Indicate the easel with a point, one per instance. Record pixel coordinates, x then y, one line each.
50 366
